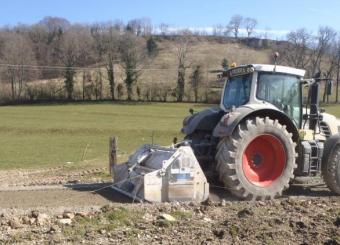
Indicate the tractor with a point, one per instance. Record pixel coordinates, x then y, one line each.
263 136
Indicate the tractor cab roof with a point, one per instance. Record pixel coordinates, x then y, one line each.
280 69
244 69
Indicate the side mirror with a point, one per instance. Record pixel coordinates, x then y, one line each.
191 111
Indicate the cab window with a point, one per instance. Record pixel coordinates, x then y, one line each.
283 91
237 91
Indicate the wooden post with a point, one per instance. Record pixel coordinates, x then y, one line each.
112 153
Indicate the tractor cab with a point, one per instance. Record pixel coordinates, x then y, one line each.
277 87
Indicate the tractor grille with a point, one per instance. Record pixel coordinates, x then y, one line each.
325 130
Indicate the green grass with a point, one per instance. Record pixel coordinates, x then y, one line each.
53 135
333 109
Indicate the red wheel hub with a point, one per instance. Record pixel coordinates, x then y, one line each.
264 160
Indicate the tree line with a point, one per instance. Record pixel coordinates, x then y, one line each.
54 48
314 52
54 42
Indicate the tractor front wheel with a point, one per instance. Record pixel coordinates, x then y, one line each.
258 160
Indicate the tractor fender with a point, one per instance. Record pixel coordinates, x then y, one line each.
231 120
204 120
329 146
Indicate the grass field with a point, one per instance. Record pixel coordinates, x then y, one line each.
333 109
54 135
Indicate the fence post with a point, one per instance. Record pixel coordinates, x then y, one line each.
112 153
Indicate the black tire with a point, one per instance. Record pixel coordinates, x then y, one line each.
231 150
331 170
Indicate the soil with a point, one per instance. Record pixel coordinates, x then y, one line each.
51 176
38 206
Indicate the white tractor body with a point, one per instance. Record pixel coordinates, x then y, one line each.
260 138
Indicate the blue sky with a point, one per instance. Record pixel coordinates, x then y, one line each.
276 15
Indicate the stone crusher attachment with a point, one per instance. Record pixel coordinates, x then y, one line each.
161 174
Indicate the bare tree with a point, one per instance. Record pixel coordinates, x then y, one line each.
185 32
182 50
218 30
227 31
120 91
119 26
163 29
111 41
98 85
46 38
87 85
98 31
146 26
331 68
55 24
250 24
55 28
321 50
106 36
196 79
337 55
131 54
235 23
106 41
38 35
17 52
76 50
133 26
324 39
296 52
140 27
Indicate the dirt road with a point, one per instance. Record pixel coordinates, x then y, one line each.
60 187
98 194
79 207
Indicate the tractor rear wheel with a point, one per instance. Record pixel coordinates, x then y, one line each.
258 160
331 170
